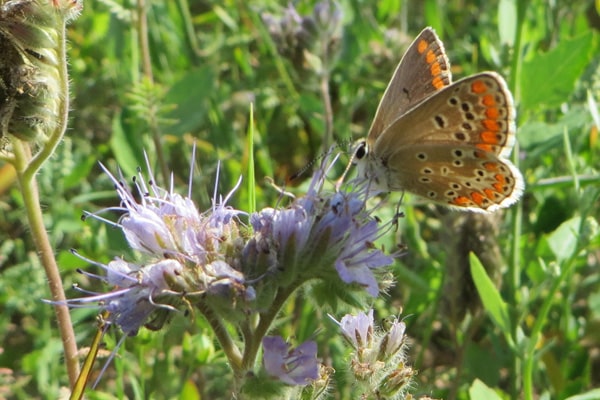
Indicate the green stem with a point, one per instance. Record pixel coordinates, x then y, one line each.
35 163
27 167
29 190
514 270
142 20
229 348
253 341
186 16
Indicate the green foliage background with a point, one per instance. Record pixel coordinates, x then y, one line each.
209 61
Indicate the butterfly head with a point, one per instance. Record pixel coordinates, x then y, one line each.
360 149
368 167
360 158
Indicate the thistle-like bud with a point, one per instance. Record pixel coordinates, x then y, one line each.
378 361
30 78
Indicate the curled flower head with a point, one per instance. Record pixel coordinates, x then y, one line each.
297 366
322 235
237 274
287 32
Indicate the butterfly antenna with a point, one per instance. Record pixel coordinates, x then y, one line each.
399 214
323 154
340 180
281 190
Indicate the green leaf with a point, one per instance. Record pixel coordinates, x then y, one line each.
593 394
435 16
490 296
190 391
480 390
124 150
563 241
190 94
542 136
507 18
549 78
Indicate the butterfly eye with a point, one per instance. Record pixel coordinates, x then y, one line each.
361 151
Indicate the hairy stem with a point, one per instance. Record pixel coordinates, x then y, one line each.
232 352
29 191
254 340
27 167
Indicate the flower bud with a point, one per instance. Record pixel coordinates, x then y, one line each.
30 79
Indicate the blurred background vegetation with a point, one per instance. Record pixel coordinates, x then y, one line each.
158 75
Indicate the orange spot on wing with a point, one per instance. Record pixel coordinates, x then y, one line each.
478 87
438 82
436 69
488 100
499 185
491 124
492 112
430 57
485 147
478 198
489 193
461 201
489 137
490 166
422 46
479 154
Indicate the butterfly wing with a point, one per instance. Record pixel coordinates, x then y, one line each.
476 111
456 175
423 70
451 148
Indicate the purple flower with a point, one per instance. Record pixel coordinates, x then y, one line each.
392 341
297 366
138 291
164 223
358 329
234 273
378 359
320 235
191 254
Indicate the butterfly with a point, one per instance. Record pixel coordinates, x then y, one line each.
447 142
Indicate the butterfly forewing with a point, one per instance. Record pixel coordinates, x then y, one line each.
474 111
409 86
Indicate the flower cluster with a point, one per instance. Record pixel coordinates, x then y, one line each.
190 253
301 38
318 231
236 273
